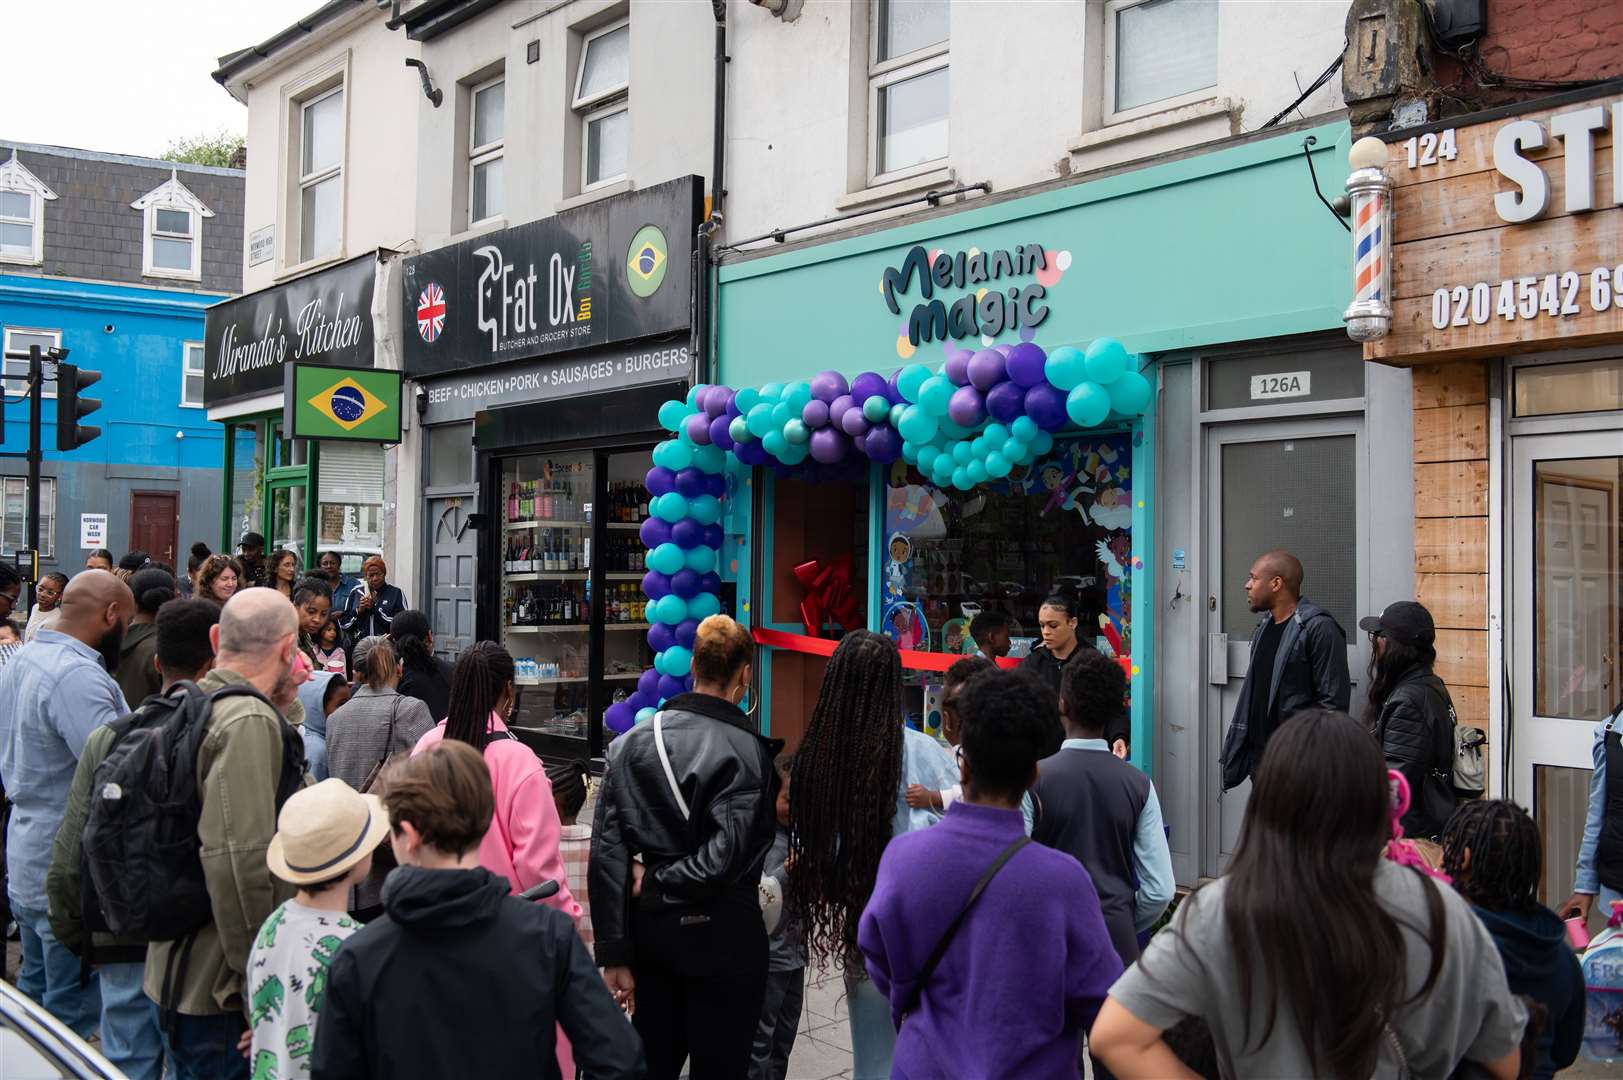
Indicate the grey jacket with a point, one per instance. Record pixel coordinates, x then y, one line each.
1310 671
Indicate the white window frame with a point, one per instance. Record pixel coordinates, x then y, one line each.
308 180
14 176
1109 113
597 106
883 73
149 268
47 388
484 154
187 371
47 513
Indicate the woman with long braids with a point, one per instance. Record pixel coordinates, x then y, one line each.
423 675
1411 715
1314 955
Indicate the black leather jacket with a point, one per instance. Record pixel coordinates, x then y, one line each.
714 852
1416 732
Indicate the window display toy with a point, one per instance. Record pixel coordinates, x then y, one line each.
905 624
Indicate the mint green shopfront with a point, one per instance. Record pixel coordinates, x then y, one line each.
1217 270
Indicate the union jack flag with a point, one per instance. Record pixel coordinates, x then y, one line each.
431 311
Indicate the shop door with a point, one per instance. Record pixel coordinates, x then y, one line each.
1297 486
155 524
1567 604
453 552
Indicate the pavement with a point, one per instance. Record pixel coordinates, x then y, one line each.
823 1045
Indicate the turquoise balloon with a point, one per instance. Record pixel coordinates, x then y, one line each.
1015 449
693 395
910 379
997 465
1065 367
936 394
678 661
977 471
1025 456
927 458
1088 405
705 509
673 507
659 658
702 606
1106 360
794 453
1024 428
782 414
955 431
772 392
894 417
669 610
775 442
962 453
910 453
674 454
710 459
995 434
739 429
759 420
798 395
917 425
1042 443
667 558
876 409
1130 394
701 559
645 715
671 415
961 480
796 431
941 470
746 399
979 446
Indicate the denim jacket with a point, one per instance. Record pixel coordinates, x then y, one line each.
1588 878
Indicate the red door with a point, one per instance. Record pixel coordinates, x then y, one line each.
155 524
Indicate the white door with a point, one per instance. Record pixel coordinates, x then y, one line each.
1296 485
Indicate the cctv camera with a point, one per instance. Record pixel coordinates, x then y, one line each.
108 329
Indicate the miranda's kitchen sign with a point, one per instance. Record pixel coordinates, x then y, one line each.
988 308
324 318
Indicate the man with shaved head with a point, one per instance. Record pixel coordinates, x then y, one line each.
250 760
53 694
1298 661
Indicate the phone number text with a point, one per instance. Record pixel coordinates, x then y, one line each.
1558 295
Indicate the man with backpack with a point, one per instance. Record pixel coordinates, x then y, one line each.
129 1022
53 694
248 762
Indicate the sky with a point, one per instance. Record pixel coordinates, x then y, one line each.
128 76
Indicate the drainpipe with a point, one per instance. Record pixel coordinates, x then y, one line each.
702 343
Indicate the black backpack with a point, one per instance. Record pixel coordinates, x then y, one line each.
142 858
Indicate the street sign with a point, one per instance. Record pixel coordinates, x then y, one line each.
92 531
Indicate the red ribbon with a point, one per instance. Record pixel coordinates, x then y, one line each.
828 595
912 659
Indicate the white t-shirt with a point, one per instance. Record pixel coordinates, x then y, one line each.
287 977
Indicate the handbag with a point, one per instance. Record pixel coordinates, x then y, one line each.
388 741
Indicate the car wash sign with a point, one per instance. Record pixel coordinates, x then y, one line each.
609 272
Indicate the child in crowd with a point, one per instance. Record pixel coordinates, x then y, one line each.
918 797
9 634
569 784
315 848
47 600
786 959
330 648
1491 849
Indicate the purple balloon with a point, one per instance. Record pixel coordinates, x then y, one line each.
958 367
648 682
1003 350
894 392
687 681
1045 404
1006 401
853 422
712 538
670 685
986 369
697 427
659 480
654 532
829 446
689 482
883 445
1025 364
715 484
661 637
686 631
866 385
839 407
619 717
716 402
815 414
751 453
655 585
685 583
687 533
828 385
719 435
639 700
968 406
710 583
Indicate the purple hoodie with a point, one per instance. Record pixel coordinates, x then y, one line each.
1025 976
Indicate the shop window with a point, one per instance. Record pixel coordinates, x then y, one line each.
1584 386
486 139
191 376
321 158
602 102
907 87
1577 586
1159 54
246 452
349 500
17 340
14 516
288 520
450 455
22 213
287 453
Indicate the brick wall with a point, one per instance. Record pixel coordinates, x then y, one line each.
1559 40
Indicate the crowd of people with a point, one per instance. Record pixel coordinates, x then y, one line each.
248 837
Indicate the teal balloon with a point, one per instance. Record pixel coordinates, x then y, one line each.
1024 457
739 429
977 471
1024 428
701 559
1088 405
798 395
995 433
709 459
910 379
671 415
894 417
978 446
1130 394
1014 449
876 409
1106 360
1042 443
645 715
705 509
960 478
759 420
667 558
797 432
917 425
997 465
775 442
659 658
772 392
782 414
700 607
794 453
927 458
673 507
1065 367
955 431
746 399
674 454
678 661
941 472
962 453
936 394
669 610
693 395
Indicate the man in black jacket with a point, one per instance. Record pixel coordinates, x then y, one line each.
1411 714
1298 661
459 978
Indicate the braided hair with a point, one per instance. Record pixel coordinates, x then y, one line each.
483 673
844 781
1507 857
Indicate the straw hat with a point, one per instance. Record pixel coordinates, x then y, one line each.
324 830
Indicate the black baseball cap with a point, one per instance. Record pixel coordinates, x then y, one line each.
1404 621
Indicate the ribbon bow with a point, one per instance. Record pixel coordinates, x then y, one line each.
828 594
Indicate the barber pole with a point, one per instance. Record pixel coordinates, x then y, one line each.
1370 316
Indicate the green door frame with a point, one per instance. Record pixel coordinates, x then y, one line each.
271 478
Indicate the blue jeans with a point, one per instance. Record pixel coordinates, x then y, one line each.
873 1035
129 1022
204 1047
50 974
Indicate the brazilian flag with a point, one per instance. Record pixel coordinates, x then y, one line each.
344 403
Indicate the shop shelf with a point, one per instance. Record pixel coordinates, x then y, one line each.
552 575
627 626
624 675
549 682
631 526
513 526
570 628
624 575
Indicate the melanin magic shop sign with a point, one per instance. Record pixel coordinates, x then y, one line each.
987 308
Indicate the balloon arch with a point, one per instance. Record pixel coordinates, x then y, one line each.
979 416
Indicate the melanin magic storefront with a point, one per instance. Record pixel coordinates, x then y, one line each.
1121 387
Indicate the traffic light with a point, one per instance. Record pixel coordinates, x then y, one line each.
71 408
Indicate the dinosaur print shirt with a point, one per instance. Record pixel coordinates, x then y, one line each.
287 978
